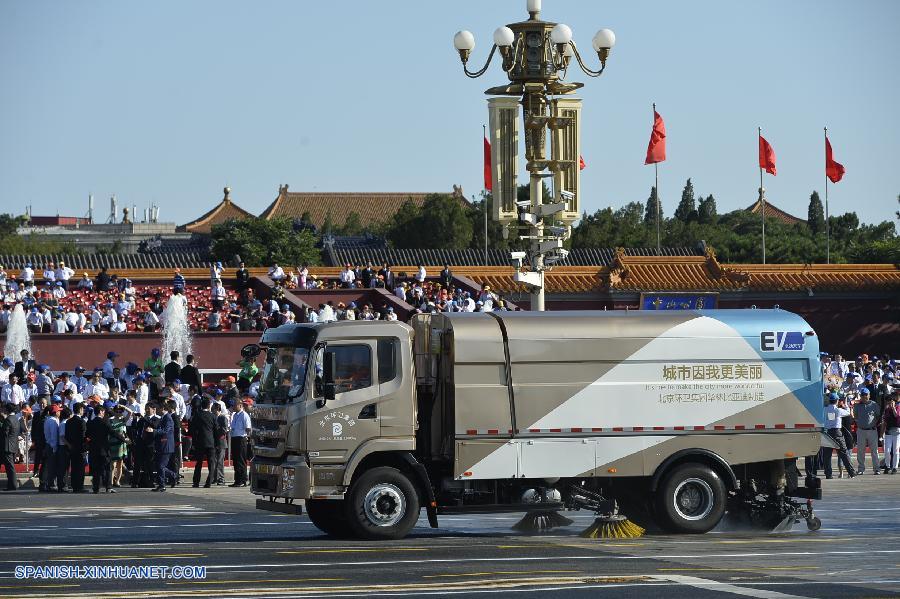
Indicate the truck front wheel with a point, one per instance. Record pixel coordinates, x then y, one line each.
328 516
691 499
382 505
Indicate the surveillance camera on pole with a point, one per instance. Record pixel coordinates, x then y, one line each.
518 258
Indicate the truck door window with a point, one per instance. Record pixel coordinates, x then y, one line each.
388 359
353 368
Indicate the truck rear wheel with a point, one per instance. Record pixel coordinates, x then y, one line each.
329 516
382 504
691 499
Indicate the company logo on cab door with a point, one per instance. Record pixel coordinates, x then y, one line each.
338 423
781 341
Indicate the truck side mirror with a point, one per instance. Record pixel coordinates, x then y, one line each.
329 365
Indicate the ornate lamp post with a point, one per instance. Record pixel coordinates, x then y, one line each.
536 56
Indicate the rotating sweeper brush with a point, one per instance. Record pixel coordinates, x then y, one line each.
609 523
541 520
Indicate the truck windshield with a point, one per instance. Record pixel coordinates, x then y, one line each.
284 374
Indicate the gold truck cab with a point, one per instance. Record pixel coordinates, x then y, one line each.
332 395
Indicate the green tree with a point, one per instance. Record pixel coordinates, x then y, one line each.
651 212
442 222
261 242
687 209
352 225
706 211
815 218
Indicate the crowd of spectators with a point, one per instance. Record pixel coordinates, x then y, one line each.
56 301
129 425
862 411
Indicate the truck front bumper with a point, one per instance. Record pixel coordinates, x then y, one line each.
288 477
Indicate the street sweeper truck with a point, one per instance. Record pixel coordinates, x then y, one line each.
672 416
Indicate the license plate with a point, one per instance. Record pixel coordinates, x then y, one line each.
266 468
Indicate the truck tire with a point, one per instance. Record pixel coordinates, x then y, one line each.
691 499
382 505
329 516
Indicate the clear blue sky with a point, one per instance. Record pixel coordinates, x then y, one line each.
169 101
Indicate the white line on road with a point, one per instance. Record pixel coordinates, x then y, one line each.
712 585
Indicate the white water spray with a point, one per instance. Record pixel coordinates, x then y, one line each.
17 335
176 330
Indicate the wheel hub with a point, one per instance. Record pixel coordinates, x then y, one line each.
693 499
384 505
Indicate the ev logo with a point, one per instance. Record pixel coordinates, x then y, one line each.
781 341
336 429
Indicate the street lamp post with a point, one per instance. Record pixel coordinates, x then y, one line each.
536 56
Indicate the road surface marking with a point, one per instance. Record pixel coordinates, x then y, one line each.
254 581
379 550
129 557
712 585
529 572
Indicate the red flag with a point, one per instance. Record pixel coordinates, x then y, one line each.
656 151
766 156
581 164
833 170
487 164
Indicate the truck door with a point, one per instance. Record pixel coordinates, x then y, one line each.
336 429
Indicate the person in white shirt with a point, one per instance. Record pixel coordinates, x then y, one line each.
6 369
276 273
27 273
312 316
400 291
421 274
50 273
63 384
217 294
151 321
85 283
34 320
97 386
12 392
3 277
58 291
71 319
119 326
29 389
180 407
391 315
273 306
63 274
348 277
96 318
141 391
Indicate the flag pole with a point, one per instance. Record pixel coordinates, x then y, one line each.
762 200
827 225
656 185
485 207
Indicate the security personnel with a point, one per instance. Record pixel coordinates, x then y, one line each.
9 443
833 416
99 433
75 431
164 445
203 434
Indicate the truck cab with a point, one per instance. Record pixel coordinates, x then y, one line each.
331 395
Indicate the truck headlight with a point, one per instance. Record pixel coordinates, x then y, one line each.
287 479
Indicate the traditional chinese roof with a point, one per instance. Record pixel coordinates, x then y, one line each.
223 211
371 207
698 273
773 211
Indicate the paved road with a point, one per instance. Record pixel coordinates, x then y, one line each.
248 553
